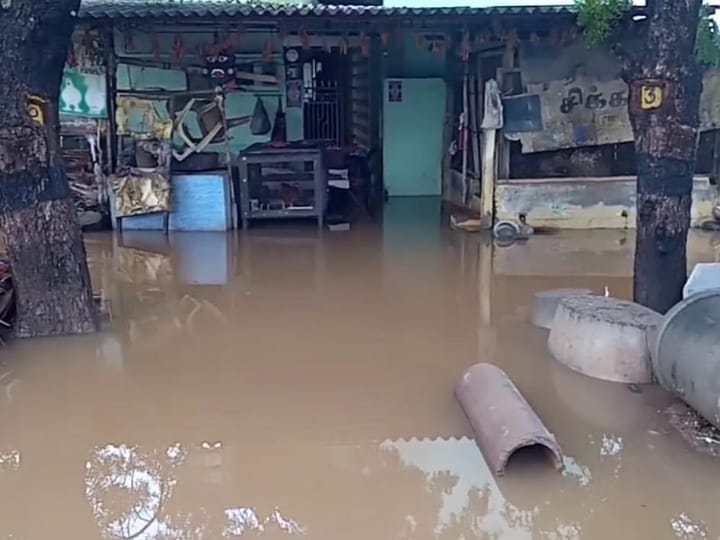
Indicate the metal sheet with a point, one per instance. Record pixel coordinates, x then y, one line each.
581 112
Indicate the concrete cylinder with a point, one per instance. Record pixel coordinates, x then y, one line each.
503 421
545 303
605 338
686 353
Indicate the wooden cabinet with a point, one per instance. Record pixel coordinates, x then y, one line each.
281 182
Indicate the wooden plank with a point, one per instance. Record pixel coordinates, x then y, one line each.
715 173
448 134
111 85
465 126
159 64
503 163
489 137
474 123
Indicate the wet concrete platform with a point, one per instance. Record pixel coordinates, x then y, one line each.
298 383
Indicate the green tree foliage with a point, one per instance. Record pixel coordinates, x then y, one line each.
598 19
708 39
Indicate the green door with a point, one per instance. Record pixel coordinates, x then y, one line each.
413 118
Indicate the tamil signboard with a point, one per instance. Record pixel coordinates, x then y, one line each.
584 111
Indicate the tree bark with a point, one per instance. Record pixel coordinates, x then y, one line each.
37 215
666 135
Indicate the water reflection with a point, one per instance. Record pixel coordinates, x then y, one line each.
130 492
126 489
272 385
472 502
242 520
687 529
9 460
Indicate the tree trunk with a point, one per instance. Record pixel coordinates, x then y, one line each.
37 215
664 102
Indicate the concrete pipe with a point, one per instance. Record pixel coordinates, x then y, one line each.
686 353
605 338
501 418
545 303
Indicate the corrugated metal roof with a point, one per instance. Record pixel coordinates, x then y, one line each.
134 9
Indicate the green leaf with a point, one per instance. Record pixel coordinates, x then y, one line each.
707 47
598 18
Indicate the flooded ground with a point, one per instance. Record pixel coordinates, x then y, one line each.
289 383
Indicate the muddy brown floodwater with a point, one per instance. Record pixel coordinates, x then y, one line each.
289 383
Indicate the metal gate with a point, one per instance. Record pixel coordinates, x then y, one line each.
324 115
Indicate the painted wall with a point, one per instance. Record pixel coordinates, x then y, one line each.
587 203
406 59
139 45
575 97
575 255
542 63
413 136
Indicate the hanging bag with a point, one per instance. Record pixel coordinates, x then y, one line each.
260 123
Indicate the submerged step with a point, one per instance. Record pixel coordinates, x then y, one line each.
605 338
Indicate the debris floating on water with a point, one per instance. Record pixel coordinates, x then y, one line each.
697 432
466 224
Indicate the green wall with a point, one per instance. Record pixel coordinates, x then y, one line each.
413 138
408 60
238 103
404 60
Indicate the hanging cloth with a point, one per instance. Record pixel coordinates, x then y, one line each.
493 113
